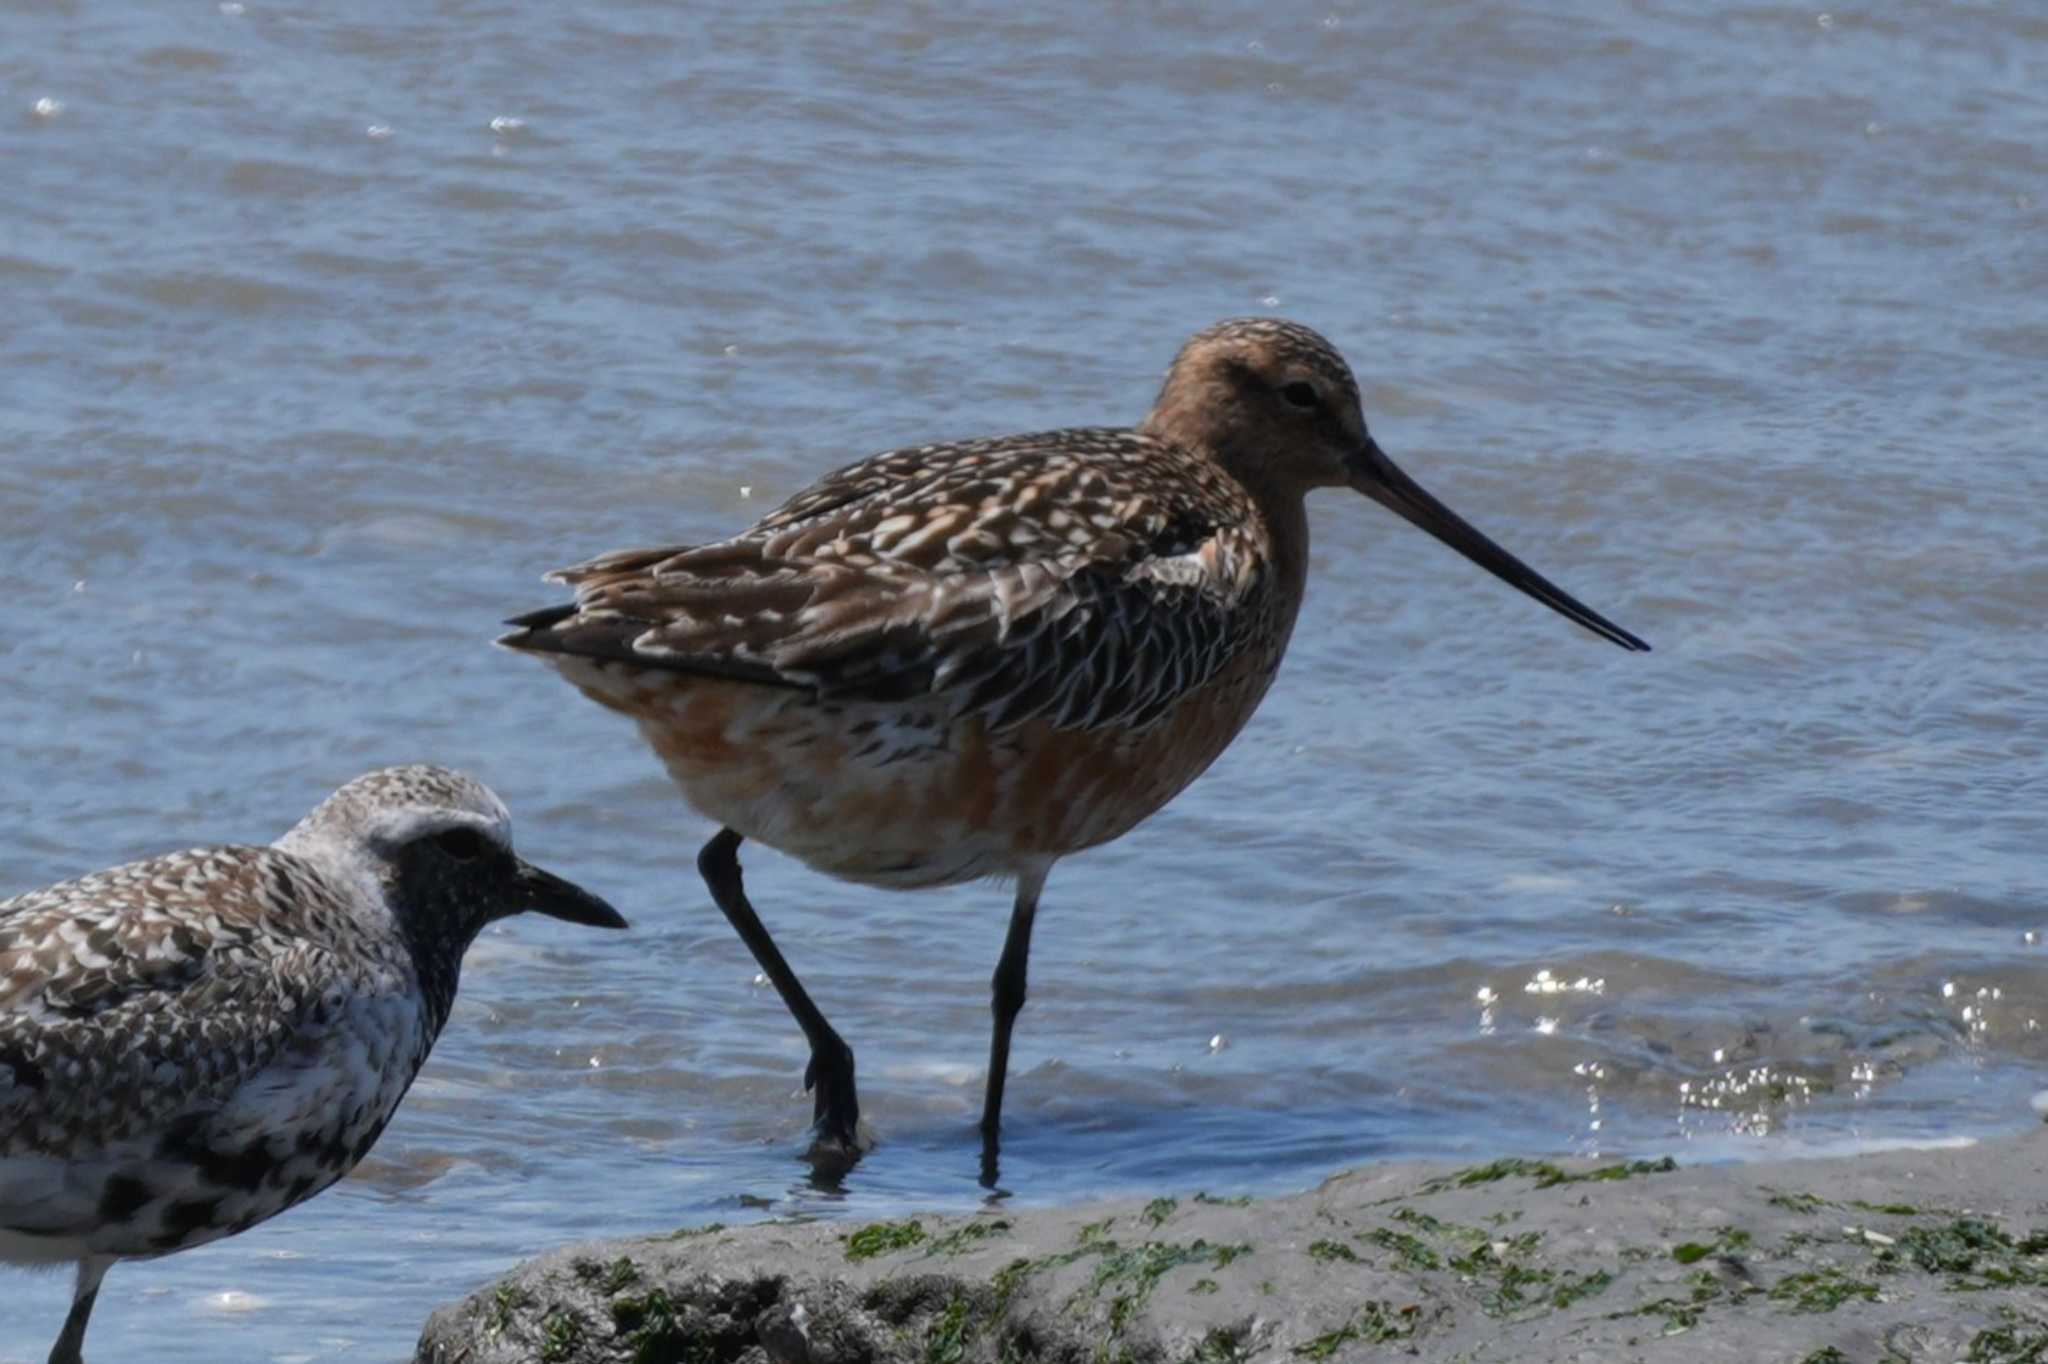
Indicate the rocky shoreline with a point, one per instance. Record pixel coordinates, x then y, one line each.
1938 1255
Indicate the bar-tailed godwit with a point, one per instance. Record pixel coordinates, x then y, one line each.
968 660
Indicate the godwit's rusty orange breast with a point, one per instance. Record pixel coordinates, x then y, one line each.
958 660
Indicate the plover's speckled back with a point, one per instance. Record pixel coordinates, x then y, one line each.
971 659
193 1043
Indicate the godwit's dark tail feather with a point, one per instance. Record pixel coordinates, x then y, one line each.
541 619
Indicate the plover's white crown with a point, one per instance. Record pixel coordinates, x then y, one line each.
355 832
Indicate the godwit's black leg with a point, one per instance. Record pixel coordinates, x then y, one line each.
1007 999
829 1077
70 1345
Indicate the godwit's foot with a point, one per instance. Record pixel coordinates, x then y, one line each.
836 1141
835 1111
991 1164
831 1156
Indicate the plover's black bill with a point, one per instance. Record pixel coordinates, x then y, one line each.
543 892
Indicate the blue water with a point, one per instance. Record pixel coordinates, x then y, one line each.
1727 316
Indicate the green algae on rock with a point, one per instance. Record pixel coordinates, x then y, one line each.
1942 1253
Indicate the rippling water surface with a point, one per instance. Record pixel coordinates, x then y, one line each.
328 329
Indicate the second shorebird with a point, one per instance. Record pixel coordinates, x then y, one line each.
193 1043
969 660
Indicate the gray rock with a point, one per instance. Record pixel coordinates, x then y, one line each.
1913 1255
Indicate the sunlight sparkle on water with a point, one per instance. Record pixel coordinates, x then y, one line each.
1543 983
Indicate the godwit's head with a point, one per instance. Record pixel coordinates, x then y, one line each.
1275 404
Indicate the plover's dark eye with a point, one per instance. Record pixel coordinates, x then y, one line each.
464 845
1300 393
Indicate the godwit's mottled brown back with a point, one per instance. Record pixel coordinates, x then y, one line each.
1091 577
955 660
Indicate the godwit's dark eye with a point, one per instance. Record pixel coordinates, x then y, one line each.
1300 393
464 845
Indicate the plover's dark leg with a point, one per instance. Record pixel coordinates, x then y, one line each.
835 1105
70 1345
1007 998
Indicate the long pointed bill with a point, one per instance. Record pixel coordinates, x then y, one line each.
1373 474
543 892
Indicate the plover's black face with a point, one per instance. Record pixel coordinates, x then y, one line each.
438 844
450 873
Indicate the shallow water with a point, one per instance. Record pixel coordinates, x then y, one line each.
1727 316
